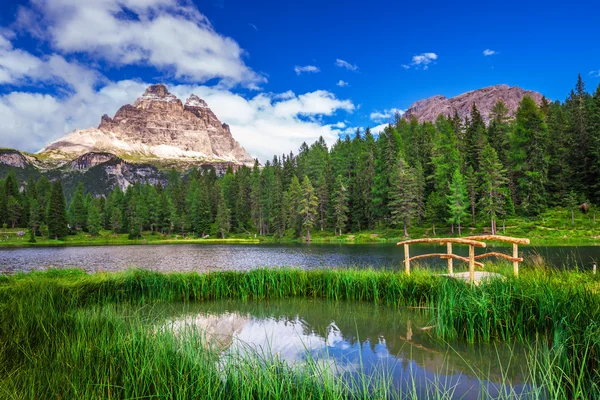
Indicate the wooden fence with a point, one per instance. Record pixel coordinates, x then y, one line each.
472 242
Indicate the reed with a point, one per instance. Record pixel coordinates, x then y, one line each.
66 334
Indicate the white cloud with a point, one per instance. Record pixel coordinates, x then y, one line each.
488 52
265 124
421 61
378 129
342 83
386 114
595 74
307 68
345 64
170 35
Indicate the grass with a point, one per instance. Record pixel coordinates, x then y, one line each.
554 227
66 334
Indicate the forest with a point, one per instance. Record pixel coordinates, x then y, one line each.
450 173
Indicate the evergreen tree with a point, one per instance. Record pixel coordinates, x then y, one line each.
13 211
529 157
471 186
403 205
94 220
340 204
492 178
293 196
308 206
56 215
457 201
77 211
116 221
223 216
203 216
35 215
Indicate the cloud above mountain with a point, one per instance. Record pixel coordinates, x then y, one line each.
64 87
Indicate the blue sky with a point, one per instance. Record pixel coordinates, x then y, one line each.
272 69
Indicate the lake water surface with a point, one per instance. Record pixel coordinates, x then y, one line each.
212 257
351 340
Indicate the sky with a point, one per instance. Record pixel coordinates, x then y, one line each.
279 73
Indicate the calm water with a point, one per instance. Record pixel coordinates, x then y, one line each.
348 339
243 257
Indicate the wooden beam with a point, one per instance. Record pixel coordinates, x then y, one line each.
444 256
496 254
499 238
406 259
469 242
472 264
516 255
450 259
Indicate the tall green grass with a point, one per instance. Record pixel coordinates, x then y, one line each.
66 334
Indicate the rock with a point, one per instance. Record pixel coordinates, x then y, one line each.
427 110
89 160
157 127
13 158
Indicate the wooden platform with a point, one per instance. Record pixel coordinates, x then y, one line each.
480 276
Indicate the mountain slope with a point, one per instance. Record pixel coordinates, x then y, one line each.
430 108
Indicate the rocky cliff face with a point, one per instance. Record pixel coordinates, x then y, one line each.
156 127
485 99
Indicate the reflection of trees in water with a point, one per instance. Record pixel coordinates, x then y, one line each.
369 325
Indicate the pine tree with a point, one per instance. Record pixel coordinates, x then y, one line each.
457 201
223 216
308 206
94 221
77 211
471 186
35 215
116 221
340 205
13 211
203 216
293 196
529 157
492 180
402 205
56 215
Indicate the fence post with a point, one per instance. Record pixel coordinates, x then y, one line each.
406 260
450 261
472 263
516 255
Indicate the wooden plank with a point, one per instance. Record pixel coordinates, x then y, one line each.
496 254
450 259
472 264
406 260
444 256
516 255
499 238
469 242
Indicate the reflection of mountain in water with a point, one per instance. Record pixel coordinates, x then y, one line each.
359 337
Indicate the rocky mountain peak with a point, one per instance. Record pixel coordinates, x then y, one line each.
157 127
156 94
427 110
195 101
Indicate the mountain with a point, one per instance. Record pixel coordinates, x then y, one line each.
156 127
430 108
139 144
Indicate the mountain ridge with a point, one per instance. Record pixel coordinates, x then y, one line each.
428 109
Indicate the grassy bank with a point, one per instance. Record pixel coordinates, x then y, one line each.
65 334
553 227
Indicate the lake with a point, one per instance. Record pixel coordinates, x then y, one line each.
213 257
352 341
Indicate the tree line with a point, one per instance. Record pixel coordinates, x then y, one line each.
451 172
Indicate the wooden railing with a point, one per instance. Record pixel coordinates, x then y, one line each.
472 242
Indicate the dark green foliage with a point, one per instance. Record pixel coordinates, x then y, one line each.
511 167
94 221
56 214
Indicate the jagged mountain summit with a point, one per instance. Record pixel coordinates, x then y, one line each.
430 108
156 127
